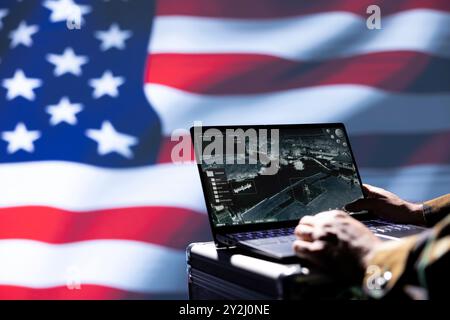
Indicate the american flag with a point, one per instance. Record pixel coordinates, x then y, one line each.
91 205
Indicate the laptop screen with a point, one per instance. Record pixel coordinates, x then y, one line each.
298 171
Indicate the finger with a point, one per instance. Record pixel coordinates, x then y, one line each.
327 235
309 220
355 206
374 192
367 190
304 232
309 251
308 233
330 215
362 204
301 246
307 247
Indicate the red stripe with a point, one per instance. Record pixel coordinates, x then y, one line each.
435 149
222 74
400 150
170 227
167 145
277 8
86 292
397 150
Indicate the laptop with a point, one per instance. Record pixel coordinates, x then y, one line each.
258 181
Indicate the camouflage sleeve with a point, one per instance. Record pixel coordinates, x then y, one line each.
436 209
415 267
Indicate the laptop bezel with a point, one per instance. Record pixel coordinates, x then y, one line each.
225 230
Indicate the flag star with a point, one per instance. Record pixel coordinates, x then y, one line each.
20 139
3 13
106 85
64 111
22 35
66 10
20 85
109 140
68 62
113 38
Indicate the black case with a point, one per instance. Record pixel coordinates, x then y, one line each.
230 273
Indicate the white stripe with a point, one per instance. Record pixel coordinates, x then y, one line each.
311 37
127 265
79 187
415 183
363 109
73 186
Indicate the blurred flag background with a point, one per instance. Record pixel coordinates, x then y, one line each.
91 205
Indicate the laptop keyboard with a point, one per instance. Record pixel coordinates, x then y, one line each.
264 237
283 235
390 229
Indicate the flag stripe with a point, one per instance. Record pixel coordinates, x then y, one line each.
125 265
317 37
351 104
189 187
219 74
146 224
78 187
87 292
252 9
415 183
401 149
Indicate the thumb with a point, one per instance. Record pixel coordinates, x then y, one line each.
374 192
362 204
370 191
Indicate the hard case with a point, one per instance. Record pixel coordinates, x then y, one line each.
230 273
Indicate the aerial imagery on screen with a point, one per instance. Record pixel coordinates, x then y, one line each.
316 173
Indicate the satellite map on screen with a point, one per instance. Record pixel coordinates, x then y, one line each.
315 173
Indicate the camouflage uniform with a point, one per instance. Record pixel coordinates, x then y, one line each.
416 267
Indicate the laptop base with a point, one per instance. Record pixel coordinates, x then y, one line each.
279 246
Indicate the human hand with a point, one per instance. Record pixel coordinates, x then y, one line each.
388 206
337 243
